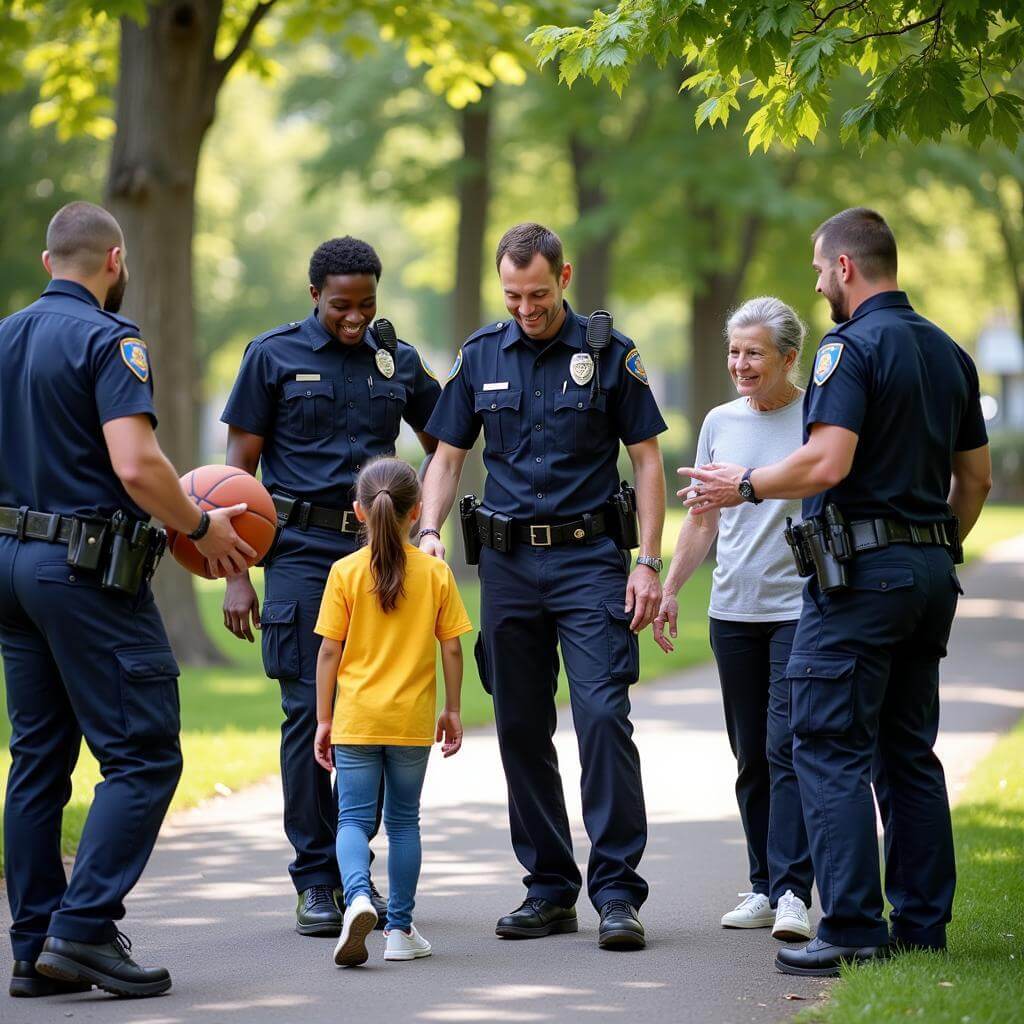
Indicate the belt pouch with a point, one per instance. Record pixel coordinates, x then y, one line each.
87 543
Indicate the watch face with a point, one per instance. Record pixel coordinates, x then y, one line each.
746 490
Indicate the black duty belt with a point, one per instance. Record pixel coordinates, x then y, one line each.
304 514
577 531
25 524
868 534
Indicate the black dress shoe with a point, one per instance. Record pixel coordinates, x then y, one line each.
820 959
27 982
620 927
107 965
535 918
381 906
317 913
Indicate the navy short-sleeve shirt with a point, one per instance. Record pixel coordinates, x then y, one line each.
911 395
550 449
323 408
66 368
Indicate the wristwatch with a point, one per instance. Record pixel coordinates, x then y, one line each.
651 562
746 489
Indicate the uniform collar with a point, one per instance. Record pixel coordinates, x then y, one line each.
61 286
883 300
568 334
320 338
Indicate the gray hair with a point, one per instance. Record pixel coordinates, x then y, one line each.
787 330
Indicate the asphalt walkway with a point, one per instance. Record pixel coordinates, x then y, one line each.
215 904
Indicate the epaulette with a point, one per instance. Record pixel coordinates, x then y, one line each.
495 328
121 321
275 331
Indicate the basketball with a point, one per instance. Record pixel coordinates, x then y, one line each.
213 487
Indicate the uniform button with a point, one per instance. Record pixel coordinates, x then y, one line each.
308 393
352 437
540 494
538 427
539 458
494 405
579 405
351 405
884 584
348 380
808 669
71 578
536 394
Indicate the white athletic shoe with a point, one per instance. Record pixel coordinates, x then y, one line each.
408 945
360 917
791 921
754 911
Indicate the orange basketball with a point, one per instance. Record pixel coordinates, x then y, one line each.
213 487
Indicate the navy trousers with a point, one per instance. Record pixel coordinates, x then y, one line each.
864 702
534 600
295 575
81 661
752 658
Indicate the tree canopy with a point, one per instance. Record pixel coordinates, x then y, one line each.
927 68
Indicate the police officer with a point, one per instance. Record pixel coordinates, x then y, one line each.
314 400
553 413
895 446
80 474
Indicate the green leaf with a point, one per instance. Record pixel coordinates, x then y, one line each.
730 51
979 124
761 60
1006 120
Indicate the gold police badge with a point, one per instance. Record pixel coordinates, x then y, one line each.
385 363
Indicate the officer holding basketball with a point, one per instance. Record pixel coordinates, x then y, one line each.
894 471
314 400
84 648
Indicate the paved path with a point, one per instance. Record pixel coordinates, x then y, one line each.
215 903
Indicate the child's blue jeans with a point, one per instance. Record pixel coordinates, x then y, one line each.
359 773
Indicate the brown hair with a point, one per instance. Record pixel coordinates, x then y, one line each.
862 234
387 489
522 242
80 234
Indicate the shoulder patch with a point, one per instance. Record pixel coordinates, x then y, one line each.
826 361
635 366
456 366
426 367
136 357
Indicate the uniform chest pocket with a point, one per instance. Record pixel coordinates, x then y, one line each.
309 407
387 403
502 420
581 426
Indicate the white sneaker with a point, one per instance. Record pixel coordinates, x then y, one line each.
360 917
754 911
408 945
791 921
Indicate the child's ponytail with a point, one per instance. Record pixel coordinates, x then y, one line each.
387 489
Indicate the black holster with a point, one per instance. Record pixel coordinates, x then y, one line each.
821 546
135 551
621 518
470 535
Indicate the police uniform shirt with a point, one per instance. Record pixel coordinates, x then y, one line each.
67 367
550 451
323 408
911 395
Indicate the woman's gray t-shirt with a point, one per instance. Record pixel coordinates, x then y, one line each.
755 579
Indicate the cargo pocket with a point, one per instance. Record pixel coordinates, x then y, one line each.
623 644
821 693
280 639
580 426
149 691
499 411
310 405
480 654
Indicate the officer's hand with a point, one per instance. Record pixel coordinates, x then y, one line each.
226 552
716 487
432 546
449 729
643 596
667 615
241 601
322 746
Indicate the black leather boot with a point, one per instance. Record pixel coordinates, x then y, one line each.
28 983
535 918
107 965
317 913
820 959
620 927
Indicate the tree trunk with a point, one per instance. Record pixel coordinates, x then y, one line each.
593 256
165 102
473 193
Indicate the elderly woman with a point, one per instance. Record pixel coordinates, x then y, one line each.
755 604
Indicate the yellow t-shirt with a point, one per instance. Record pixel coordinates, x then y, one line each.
387 684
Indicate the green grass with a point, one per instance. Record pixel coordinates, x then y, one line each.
981 979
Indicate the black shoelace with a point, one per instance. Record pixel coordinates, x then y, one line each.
124 944
320 897
618 905
533 903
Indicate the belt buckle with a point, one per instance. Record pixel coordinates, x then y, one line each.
540 543
344 521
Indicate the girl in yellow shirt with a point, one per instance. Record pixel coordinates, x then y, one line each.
384 608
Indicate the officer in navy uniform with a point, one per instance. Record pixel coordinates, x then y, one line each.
895 446
553 413
313 402
81 657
